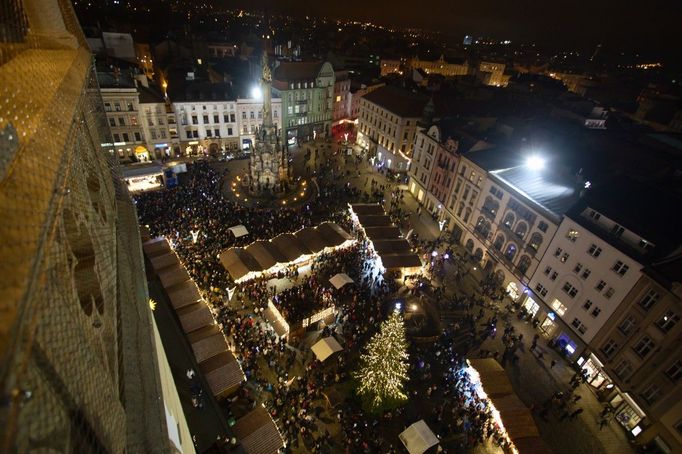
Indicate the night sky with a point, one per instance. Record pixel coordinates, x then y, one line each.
650 26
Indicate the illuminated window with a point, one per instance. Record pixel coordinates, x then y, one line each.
572 235
558 307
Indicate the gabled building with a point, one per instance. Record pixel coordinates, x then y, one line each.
307 93
388 124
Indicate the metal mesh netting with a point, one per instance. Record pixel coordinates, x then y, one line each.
73 316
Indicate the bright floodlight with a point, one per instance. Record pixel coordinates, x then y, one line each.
256 92
535 162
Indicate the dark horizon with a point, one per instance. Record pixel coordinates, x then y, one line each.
648 29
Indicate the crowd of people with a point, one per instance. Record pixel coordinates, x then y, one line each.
282 372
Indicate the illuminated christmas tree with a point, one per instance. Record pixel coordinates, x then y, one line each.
383 368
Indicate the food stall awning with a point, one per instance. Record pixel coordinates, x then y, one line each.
374 220
281 329
361 209
266 254
183 294
194 316
173 275
516 417
392 246
223 373
207 342
156 246
238 263
418 438
290 246
326 347
394 261
332 234
340 280
382 233
311 239
493 377
257 433
239 231
164 261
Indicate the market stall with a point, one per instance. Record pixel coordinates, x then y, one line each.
326 347
257 433
340 280
511 415
418 438
223 374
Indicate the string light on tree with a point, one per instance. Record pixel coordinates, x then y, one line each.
383 371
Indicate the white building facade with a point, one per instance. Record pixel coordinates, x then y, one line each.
581 281
207 127
250 117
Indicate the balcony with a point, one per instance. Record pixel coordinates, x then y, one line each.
489 214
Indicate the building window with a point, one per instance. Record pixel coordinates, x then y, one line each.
623 369
651 394
499 242
117 138
535 241
542 291
577 324
121 121
644 346
649 300
107 107
195 120
510 253
508 220
587 305
125 137
617 230
216 132
112 121
564 257
226 118
252 115
542 226
553 276
117 107
600 286
209 133
595 312
558 252
585 274
521 229
572 235
674 372
232 119
216 118
620 268
627 325
229 131
609 293
559 307
609 348
667 321
548 270
594 251
594 215
205 118
569 290
578 267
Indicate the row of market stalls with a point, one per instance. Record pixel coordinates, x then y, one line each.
394 252
256 431
268 257
511 415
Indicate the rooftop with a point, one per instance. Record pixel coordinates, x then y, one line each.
290 71
554 190
398 101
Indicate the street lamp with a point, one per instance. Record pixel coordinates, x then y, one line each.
535 162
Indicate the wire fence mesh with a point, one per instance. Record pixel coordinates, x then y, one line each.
71 271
